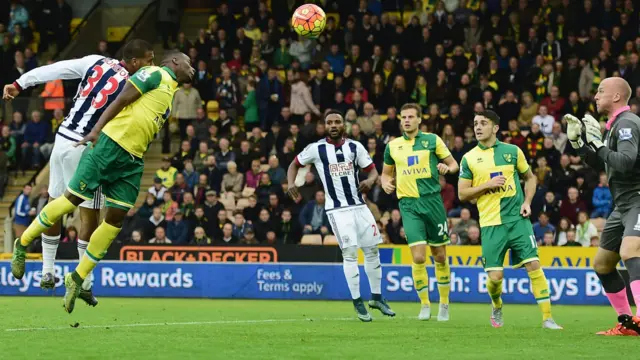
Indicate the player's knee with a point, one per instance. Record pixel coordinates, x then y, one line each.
630 247
419 258
496 275
532 266
350 254
603 266
371 252
440 258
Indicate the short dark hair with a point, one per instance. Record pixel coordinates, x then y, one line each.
333 112
136 48
413 106
491 115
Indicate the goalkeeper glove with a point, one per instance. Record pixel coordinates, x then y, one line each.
574 131
593 132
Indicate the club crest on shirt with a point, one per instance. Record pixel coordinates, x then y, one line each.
425 143
624 134
507 157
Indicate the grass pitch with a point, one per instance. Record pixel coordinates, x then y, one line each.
125 328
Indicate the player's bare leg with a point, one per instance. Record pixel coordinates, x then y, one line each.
99 242
604 264
541 292
494 288
47 218
421 279
373 268
89 219
630 254
443 276
50 242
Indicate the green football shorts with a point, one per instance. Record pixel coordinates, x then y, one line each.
424 220
108 165
516 236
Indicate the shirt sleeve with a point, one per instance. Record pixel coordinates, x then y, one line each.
146 79
521 163
388 159
442 152
363 160
307 156
465 171
624 158
61 70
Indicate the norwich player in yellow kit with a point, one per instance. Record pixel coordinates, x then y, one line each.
114 161
490 173
417 158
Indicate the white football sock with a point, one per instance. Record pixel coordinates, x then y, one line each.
49 249
373 268
82 248
351 271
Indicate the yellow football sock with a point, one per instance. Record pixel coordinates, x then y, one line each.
541 292
495 292
443 274
49 215
98 245
421 282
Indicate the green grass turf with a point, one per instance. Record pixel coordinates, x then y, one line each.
300 330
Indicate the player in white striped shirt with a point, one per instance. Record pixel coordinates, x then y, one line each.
338 161
102 80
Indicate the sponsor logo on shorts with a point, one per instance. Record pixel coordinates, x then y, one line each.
637 226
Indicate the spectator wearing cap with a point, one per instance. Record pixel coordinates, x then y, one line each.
160 237
211 205
167 173
200 238
157 190
186 102
249 238
177 229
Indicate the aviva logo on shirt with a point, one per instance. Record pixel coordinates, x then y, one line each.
413 170
504 188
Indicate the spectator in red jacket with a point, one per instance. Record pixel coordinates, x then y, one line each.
572 205
555 103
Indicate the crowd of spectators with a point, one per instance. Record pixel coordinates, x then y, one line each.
265 89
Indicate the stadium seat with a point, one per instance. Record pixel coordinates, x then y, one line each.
228 200
213 109
242 203
330 240
598 223
311 240
247 191
230 215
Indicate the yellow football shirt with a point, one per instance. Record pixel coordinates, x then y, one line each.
137 124
416 162
480 164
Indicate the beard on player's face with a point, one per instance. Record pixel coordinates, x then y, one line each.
336 133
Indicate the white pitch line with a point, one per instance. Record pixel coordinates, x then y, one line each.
189 323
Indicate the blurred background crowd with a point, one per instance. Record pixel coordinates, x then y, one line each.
260 91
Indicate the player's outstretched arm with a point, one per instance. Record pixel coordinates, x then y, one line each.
61 70
127 97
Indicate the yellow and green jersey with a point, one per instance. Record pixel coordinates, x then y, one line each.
502 205
416 162
137 124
